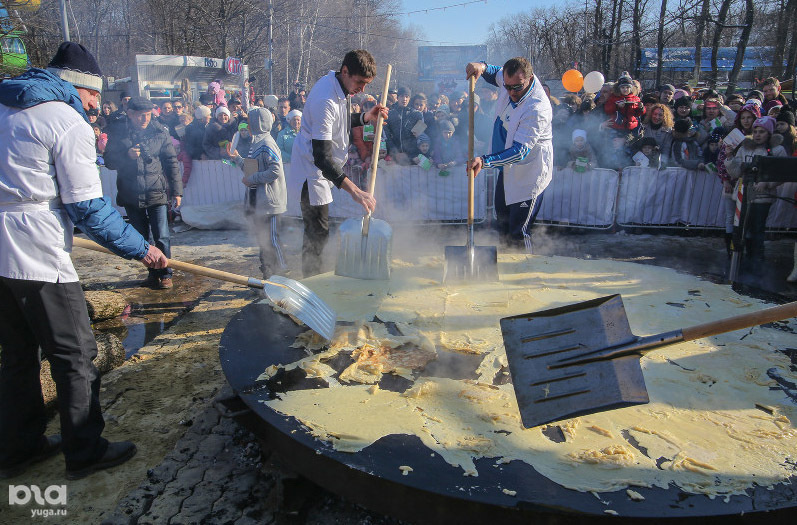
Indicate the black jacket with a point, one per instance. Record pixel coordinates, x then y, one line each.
400 122
192 141
154 176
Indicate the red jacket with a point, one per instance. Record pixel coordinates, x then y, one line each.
626 117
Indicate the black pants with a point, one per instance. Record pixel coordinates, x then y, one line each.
513 221
756 229
316 233
51 318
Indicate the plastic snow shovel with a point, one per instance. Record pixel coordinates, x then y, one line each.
291 296
470 261
582 358
366 243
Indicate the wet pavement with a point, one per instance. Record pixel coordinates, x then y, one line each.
217 472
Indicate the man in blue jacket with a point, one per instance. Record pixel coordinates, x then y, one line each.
49 184
521 147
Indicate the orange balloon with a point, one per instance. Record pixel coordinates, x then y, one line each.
573 80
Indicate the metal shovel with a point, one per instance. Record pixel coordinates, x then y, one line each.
471 261
287 294
582 358
366 244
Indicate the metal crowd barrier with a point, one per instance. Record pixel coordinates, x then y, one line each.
598 199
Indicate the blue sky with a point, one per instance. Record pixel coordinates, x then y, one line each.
467 24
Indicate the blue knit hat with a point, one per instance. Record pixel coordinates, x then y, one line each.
74 64
423 138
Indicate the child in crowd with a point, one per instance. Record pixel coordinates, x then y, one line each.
449 152
242 140
581 155
648 147
685 149
287 136
624 107
101 140
711 150
617 157
266 193
424 158
784 126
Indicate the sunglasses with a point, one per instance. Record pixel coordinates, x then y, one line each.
513 87
178 106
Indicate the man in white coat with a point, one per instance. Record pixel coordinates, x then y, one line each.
321 149
521 147
48 185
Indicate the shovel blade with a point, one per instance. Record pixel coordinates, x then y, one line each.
364 256
535 341
302 303
459 265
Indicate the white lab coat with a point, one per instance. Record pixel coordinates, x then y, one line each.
529 123
47 158
325 117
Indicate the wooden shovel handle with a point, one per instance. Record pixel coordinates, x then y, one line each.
776 313
184 266
471 111
378 133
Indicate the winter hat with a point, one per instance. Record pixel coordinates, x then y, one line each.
683 101
222 109
756 94
392 91
649 98
578 133
423 138
293 113
667 87
768 123
716 135
443 108
753 108
771 104
140 104
735 97
202 112
74 64
625 79
682 125
647 141
786 116
243 125
446 126
403 90
679 94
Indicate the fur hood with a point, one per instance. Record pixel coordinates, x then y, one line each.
774 141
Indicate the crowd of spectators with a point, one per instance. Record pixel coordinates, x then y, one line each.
618 127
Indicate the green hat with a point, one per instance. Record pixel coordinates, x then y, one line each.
243 125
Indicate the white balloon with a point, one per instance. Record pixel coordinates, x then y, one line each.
593 82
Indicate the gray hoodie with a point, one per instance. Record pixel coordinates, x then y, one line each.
272 195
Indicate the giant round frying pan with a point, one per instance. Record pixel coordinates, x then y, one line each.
258 337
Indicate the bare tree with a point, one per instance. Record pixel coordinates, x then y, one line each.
749 13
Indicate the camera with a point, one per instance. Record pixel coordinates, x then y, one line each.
145 156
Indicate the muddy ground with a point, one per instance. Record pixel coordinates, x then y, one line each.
174 374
